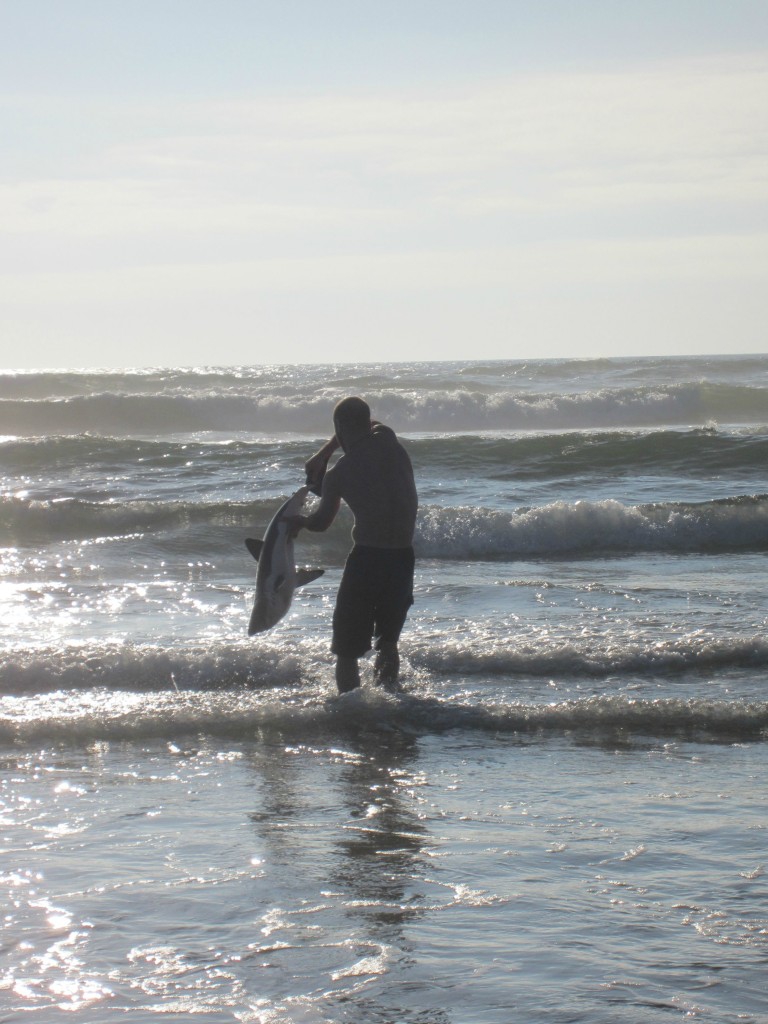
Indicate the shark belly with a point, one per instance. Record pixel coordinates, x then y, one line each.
277 576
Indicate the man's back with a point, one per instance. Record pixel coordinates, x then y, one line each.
375 478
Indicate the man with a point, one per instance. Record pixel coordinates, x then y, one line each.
374 477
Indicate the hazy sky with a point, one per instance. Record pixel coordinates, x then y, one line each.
192 182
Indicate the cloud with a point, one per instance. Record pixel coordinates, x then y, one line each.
529 144
460 203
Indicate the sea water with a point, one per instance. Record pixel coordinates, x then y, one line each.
562 817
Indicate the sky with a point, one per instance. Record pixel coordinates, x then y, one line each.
224 182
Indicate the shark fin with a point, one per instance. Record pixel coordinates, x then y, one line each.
307 575
255 547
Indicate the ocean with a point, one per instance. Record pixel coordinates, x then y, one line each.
562 817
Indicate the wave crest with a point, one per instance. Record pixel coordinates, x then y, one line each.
588 528
308 411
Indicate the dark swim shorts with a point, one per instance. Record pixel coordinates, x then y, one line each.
375 594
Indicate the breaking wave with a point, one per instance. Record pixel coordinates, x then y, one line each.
560 528
318 715
469 533
80 694
282 661
587 527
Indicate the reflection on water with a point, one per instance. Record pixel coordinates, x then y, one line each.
363 840
378 864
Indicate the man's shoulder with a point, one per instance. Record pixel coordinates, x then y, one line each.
383 429
385 437
386 434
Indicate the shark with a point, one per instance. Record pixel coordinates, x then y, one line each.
277 576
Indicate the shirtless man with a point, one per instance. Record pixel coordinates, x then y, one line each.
375 478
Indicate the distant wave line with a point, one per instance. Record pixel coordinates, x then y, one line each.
519 456
453 410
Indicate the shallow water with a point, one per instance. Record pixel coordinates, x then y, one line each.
376 875
560 819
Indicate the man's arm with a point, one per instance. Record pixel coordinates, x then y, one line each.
316 466
323 515
319 520
330 501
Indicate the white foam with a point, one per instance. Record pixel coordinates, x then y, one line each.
310 716
584 527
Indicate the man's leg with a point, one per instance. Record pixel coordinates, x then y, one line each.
347 674
393 601
386 666
352 621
